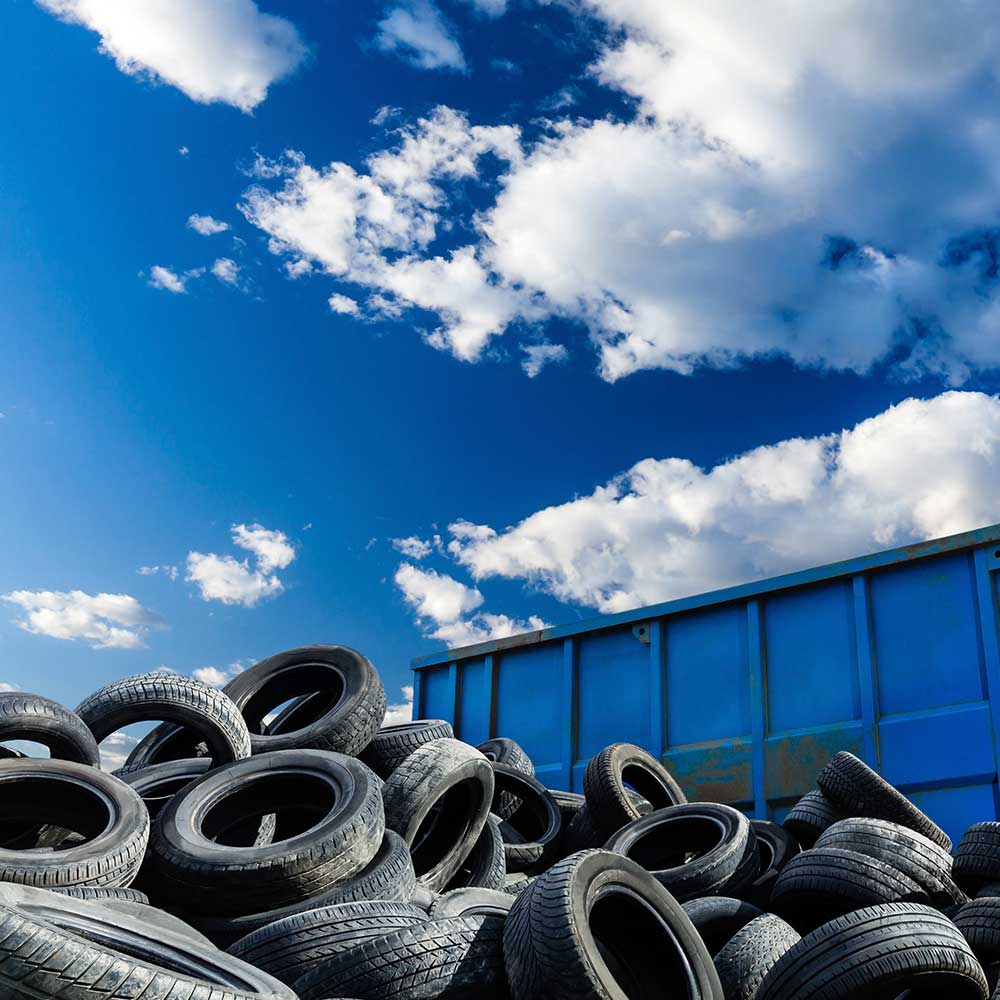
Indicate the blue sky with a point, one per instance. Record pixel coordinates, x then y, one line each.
405 324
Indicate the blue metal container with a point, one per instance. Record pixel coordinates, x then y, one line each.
746 692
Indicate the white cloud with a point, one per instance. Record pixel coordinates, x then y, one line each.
115 750
227 50
7 688
667 528
168 571
106 621
212 676
491 8
206 225
233 581
396 715
164 278
227 271
184 151
343 304
417 30
385 114
412 547
540 355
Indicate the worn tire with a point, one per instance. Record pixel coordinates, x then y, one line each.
609 801
331 840
720 837
822 884
809 817
391 745
32 717
159 783
509 754
105 892
80 798
451 957
857 790
582 834
775 848
288 947
597 925
438 801
979 922
486 865
744 961
58 948
471 902
878 951
977 859
533 817
718 918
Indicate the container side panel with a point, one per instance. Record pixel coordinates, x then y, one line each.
811 664
927 649
474 718
613 672
529 700
956 809
792 762
708 678
438 694
717 773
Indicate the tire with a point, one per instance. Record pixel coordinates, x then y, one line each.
104 892
569 803
913 854
822 884
347 722
608 799
718 918
977 859
857 790
597 925
77 949
317 845
516 887
388 877
775 847
391 745
160 696
720 837
438 800
471 902
486 866
79 798
159 783
809 817
751 953
533 816
452 957
287 947
990 889
979 922
32 717
510 754
582 833
878 951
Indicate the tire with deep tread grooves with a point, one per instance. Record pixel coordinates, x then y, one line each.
878 951
979 922
613 772
748 956
391 745
438 801
436 960
105 892
597 925
32 717
338 836
486 865
718 918
809 817
471 902
287 947
977 858
857 790
533 817
78 797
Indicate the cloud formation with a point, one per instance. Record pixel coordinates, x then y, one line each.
234 581
418 31
205 225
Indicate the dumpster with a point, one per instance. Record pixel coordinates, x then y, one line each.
746 692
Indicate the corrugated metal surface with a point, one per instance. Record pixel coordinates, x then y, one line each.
746 692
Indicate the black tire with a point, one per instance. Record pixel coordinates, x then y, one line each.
32 717
912 853
160 696
977 859
857 790
582 834
825 883
346 723
718 918
809 817
878 951
775 848
751 953
597 925
329 826
531 830
979 922
510 754
720 838
514 886
391 745
452 957
486 865
79 798
159 783
569 803
388 877
105 892
438 800
77 949
990 889
613 772
287 948
471 902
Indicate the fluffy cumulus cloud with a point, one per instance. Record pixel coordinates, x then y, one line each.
402 711
217 678
831 166
413 547
666 528
115 750
226 50
418 31
235 581
227 271
205 225
105 621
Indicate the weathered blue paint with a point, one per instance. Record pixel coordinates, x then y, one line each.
746 692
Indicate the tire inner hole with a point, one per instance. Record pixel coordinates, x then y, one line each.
58 813
294 699
529 821
648 785
446 824
675 842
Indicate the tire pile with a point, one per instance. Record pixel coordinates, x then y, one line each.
272 841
